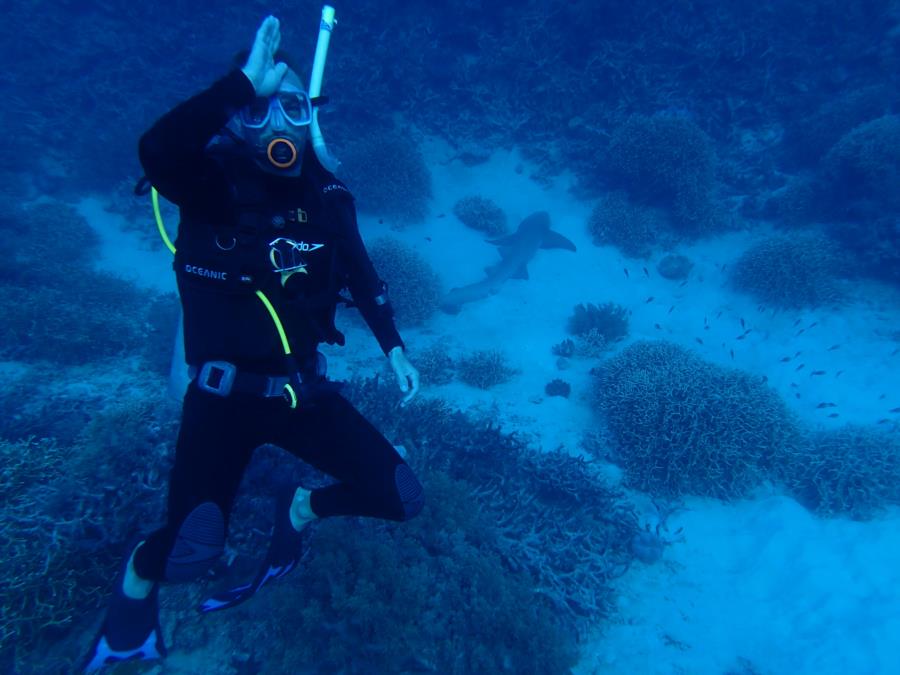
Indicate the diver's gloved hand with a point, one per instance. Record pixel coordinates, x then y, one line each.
264 74
407 375
286 549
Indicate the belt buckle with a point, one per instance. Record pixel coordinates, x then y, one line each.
217 377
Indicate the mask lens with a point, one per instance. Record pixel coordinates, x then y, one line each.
256 114
296 107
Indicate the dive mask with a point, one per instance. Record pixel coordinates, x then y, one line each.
293 106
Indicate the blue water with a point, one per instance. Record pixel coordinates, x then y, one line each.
685 409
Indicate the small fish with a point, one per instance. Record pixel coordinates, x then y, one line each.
699 340
797 395
817 372
894 353
743 323
838 373
794 385
683 284
646 273
797 354
797 322
427 238
882 397
670 309
894 410
833 347
719 314
648 300
812 325
741 337
705 321
833 415
442 215
785 359
765 378
826 404
657 326
625 269
731 351
883 420
800 367
800 332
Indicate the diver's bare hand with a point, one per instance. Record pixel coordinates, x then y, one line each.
264 74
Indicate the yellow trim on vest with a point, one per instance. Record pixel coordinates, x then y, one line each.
284 341
291 395
154 195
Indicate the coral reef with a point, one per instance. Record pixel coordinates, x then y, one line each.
435 364
674 267
609 320
387 174
481 214
801 270
669 162
683 426
413 286
632 228
558 387
810 137
73 313
61 540
861 172
484 368
851 471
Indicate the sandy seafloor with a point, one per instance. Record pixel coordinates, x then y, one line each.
758 586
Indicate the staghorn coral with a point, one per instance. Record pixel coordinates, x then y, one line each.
435 364
668 162
481 214
388 176
861 172
484 368
632 228
414 287
609 320
794 271
851 471
683 426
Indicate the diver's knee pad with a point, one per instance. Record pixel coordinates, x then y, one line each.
412 494
200 541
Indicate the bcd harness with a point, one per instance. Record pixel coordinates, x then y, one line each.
304 380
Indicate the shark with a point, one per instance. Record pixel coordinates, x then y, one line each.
516 251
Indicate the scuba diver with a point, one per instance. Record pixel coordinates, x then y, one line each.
268 239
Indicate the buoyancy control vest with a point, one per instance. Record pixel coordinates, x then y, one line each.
224 257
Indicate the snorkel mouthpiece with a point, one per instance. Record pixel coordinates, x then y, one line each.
282 153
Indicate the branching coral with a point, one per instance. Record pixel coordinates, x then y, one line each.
414 287
481 214
388 177
632 228
800 270
853 470
684 426
484 368
669 162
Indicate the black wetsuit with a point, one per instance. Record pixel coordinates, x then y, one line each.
231 210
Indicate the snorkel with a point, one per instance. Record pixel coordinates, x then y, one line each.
326 25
